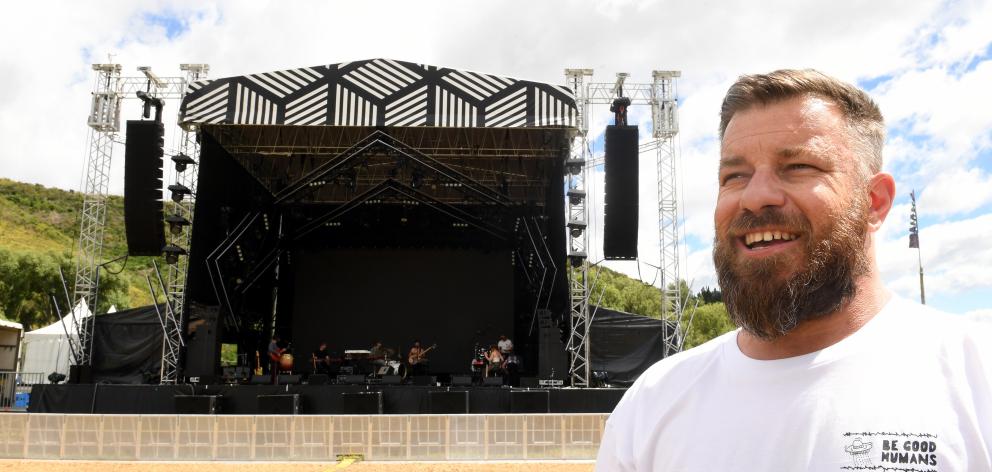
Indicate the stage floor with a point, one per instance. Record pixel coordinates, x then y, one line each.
316 399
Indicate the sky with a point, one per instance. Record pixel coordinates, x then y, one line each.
927 63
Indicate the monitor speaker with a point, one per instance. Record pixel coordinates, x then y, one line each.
362 403
286 404
530 401
493 381
391 380
319 379
424 380
448 402
620 220
351 379
143 223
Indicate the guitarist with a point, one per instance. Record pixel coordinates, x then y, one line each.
276 348
418 358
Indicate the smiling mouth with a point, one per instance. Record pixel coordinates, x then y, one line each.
762 239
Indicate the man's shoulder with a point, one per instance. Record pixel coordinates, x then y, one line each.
682 369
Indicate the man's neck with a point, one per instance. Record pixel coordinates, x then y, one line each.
814 335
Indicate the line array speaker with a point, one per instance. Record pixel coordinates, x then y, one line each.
620 220
143 222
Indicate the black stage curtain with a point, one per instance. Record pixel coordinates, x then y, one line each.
623 344
127 346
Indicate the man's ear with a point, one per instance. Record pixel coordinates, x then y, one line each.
881 193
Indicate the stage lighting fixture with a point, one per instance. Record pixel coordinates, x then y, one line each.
172 253
179 191
575 259
576 196
176 223
574 166
575 228
182 162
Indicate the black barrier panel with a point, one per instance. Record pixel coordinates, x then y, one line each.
530 401
197 404
449 402
143 223
362 403
287 404
620 219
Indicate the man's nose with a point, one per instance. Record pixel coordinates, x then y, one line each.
764 189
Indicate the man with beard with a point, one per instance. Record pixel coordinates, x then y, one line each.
828 371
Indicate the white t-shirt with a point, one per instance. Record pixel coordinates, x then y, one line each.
909 391
505 345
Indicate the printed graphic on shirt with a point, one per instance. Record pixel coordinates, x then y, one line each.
896 452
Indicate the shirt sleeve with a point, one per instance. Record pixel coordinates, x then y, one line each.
608 460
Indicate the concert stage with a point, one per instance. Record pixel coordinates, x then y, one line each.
322 399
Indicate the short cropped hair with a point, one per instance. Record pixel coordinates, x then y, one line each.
866 127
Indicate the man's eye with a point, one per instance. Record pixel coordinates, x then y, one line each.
730 178
799 166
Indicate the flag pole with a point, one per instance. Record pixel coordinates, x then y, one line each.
914 241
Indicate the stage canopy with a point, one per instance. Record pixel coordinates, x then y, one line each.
378 92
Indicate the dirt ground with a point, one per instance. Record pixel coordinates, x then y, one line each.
114 466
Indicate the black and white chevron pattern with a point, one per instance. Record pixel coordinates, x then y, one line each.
378 92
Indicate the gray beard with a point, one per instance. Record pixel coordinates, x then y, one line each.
765 298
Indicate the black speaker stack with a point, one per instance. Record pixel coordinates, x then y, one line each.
143 152
620 220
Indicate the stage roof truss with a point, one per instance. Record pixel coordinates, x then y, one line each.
377 92
390 152
390 189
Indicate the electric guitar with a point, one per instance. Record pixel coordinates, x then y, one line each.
417 358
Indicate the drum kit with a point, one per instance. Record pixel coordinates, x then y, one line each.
386 365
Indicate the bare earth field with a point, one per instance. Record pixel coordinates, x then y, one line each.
114 466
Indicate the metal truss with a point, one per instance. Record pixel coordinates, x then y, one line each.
109 90
577 172
104 122
181 227
661 96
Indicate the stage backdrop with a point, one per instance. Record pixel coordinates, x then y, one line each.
352 297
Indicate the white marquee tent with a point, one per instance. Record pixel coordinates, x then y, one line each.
46 349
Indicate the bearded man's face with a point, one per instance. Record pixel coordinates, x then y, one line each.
791 217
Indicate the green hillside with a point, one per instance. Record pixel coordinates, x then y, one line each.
39 229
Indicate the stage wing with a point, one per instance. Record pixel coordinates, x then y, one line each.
378 92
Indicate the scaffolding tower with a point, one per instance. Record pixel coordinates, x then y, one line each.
109 91
661 96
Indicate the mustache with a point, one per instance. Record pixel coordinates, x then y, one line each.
748 220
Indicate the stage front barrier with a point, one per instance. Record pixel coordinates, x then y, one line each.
300 438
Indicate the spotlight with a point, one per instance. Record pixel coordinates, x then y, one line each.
182 162
172 253
576 227
176 223
576 259
576 196
574 166
179 191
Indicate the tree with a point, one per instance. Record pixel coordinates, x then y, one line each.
710 320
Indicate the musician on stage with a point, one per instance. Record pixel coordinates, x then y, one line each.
494 361
505 345
321 360
417 359
276 349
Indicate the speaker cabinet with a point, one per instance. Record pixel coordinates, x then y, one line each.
448 402
530 401
286 404
362 403
620 220
424 380
80 374
318 379
391 380
197 404
143 223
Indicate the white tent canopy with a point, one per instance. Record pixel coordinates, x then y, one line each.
46 349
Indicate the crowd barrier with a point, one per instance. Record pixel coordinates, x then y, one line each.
15 389
300 438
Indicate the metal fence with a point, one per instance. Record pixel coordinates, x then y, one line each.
302 438
15 389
